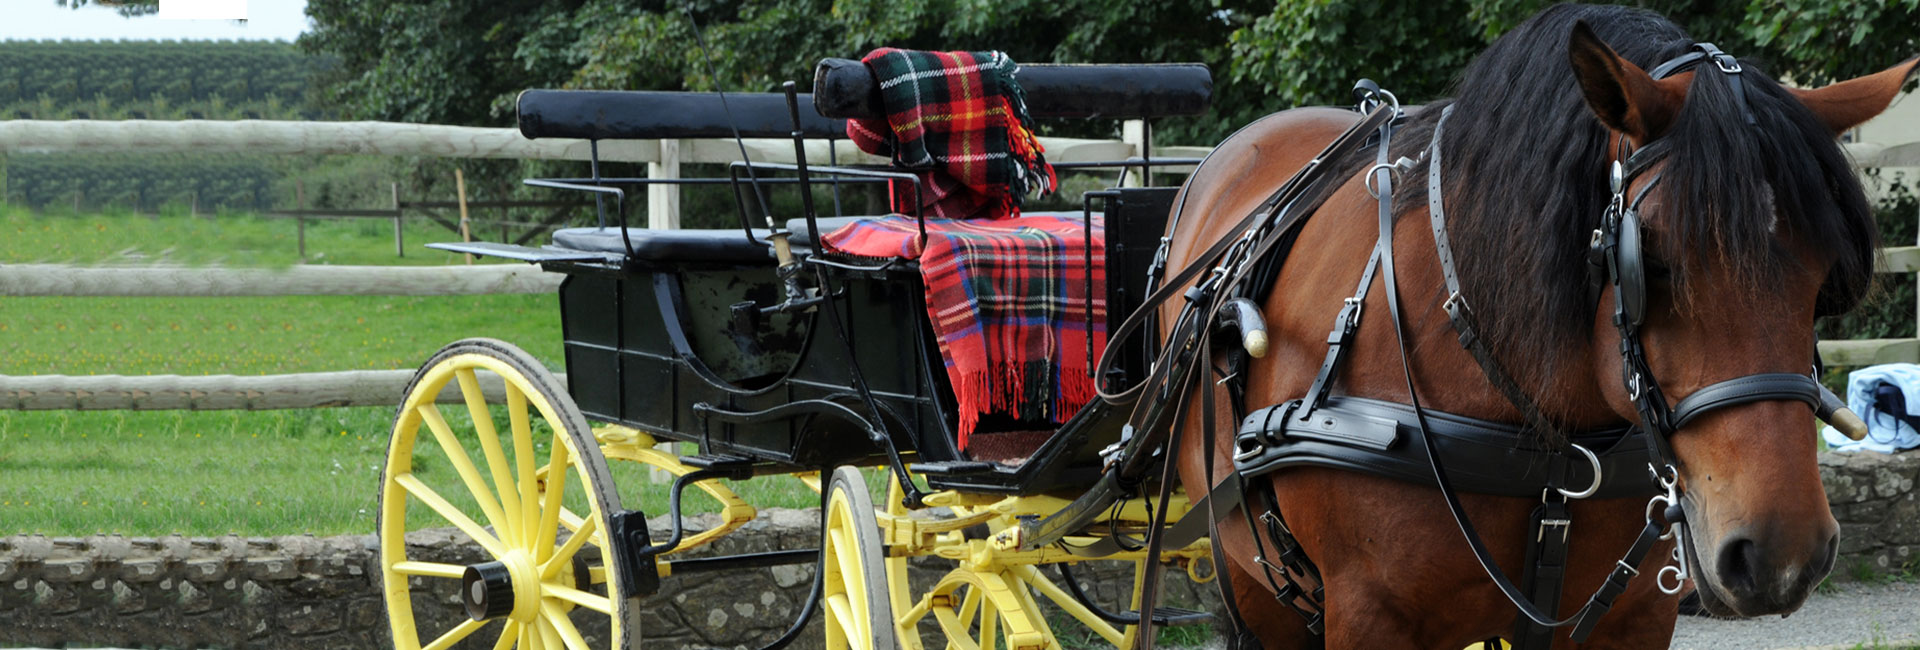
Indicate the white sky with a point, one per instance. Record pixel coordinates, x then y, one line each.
46 19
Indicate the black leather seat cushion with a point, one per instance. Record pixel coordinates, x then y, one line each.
729 245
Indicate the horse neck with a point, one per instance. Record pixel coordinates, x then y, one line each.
1446 374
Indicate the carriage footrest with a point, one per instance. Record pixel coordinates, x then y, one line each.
1175 616
719 462
952 467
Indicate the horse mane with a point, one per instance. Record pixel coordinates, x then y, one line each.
1526 185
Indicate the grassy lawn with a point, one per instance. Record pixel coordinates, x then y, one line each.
254 473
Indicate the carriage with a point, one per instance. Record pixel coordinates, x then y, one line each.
774 354
770 354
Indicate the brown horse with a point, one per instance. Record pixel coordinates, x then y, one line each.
1756 229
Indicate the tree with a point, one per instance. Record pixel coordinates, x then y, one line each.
1309 52
463 61
128 8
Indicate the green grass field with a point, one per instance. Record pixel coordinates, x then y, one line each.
255 473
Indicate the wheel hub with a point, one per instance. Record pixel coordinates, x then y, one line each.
490 590
487 591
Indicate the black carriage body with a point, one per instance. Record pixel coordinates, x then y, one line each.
663 331
655 347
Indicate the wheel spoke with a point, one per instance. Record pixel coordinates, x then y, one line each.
846 553
591 601
561 557
549 637
453 515
843 616
461 631
463 464
528 639
550 509
509 634
496 457
517 422
563 626
431 569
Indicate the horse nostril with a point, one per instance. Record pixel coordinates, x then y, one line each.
1738 563
1824 564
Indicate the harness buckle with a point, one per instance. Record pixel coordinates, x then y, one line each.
1564 525
1351 313
1455 300
1727 63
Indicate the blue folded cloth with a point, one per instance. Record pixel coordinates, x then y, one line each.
1886 396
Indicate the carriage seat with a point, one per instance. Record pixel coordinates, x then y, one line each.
801 237
725 245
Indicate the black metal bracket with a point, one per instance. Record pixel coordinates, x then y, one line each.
638 575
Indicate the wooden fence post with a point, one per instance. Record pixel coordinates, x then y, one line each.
460 186
1134 132
399 243
663 200
300 217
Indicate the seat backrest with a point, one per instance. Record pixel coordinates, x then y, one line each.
653 115
845 88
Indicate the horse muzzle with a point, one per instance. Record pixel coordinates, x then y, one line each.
1759 572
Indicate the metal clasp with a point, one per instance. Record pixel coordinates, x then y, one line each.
1564 525
1597 475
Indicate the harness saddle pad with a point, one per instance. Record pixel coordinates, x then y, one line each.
1018 312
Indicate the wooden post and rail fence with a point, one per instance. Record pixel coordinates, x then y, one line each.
385 387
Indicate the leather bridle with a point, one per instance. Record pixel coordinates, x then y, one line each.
1618 260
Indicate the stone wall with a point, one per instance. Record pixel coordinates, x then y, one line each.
297 593
1873 497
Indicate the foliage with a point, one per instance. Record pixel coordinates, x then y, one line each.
128 8
161 80
1310 52
462 61
1889 311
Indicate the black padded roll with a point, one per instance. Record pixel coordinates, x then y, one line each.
649 115
845 88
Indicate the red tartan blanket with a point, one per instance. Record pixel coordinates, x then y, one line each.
959 120
1010 305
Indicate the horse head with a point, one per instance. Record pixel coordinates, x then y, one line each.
1747 224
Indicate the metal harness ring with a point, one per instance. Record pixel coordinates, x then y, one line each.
1597 475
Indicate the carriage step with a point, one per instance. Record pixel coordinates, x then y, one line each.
719 462
1174 616
952 467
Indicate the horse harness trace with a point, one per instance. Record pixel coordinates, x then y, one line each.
1365 435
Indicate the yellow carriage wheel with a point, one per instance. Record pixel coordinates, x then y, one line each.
538 477
854 597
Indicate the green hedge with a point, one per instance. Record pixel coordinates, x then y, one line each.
165 80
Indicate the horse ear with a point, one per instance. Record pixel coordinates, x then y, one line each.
1846 104
1622 95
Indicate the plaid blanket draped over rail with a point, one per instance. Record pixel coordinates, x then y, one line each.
959 119
1019 315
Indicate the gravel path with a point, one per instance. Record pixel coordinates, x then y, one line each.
1852 615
